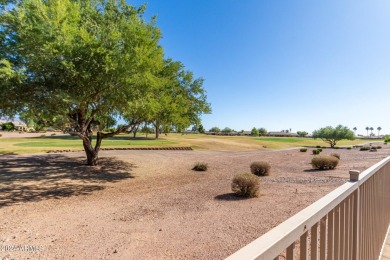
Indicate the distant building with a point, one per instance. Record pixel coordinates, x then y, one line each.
282 134
19 125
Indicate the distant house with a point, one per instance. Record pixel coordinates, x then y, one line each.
232 133
19 125
282 134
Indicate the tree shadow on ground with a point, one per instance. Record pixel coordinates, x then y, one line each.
230 197
25 179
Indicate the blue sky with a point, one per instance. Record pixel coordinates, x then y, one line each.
284 64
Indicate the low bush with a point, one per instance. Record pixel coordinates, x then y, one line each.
318 146
324 162
349 148
246 185
200 167
364 148
379 147
337 155
316 151
260 168
319 149
323 147
336 147
303 150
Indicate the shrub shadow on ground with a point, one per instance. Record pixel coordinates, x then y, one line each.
317 170
314 170
25 179
230 197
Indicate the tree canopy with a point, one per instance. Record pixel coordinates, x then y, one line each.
333 135
87 63
215 129
262 131
302 133
254 131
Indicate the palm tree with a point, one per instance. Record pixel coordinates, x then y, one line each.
371 128
379 129
367 128
354 129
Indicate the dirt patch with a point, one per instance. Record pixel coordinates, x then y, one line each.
151 205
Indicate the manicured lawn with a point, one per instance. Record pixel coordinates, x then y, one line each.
44 144
287 142
30 145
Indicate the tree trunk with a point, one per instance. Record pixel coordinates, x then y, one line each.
92 153
92 158
135 130
157 131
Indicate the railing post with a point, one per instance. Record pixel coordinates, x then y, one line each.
354 177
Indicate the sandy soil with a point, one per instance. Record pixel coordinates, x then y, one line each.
151 205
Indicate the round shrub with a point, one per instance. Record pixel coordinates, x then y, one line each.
318 146
246 185
336 147
364 148
349 148
303 150
336 155
316 151
260 168
319 149
324 162
379 147
200 167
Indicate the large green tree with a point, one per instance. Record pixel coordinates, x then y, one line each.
87 62
255 131
179 101
262 131
333 135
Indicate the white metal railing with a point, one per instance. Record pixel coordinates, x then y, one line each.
351 222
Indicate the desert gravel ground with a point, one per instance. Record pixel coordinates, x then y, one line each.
151 205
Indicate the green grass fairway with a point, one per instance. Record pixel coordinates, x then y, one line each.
29 145
287 142
44 144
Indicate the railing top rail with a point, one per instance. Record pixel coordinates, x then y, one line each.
279 238
365 175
